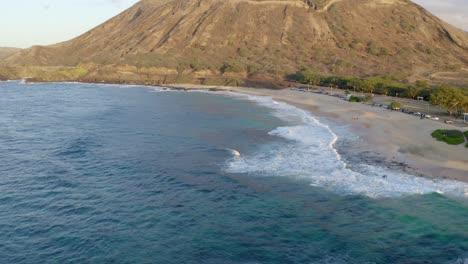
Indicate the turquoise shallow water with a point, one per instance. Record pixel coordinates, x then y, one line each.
117 174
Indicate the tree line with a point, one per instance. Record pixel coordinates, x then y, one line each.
452 98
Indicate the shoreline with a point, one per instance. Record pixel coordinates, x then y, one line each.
384 136
390 138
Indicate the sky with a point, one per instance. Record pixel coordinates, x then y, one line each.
24 23
453 11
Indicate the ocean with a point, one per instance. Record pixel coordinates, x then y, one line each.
132 174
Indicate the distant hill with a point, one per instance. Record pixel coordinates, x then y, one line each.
5 52
7 73
161 41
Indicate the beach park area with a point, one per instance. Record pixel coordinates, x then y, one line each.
377 130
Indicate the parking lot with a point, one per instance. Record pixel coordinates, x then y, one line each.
414 107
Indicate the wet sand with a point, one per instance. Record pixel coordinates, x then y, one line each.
380 134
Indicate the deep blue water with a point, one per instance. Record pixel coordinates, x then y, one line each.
113 174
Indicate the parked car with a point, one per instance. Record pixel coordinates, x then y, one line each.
417 113
435 118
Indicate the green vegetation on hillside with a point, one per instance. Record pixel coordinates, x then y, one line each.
73 73
232 65
451 137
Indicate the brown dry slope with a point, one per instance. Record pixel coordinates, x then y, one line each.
6 52
155 39
7 73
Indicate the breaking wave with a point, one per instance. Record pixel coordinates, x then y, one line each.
309 153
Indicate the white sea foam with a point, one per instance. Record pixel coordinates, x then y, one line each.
162 90
463 260
309 153
234 152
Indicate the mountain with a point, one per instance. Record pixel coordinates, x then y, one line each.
202 40
6 52
7 73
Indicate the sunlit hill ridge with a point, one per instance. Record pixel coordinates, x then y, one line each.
215 42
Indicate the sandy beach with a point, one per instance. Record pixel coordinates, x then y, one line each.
392 137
